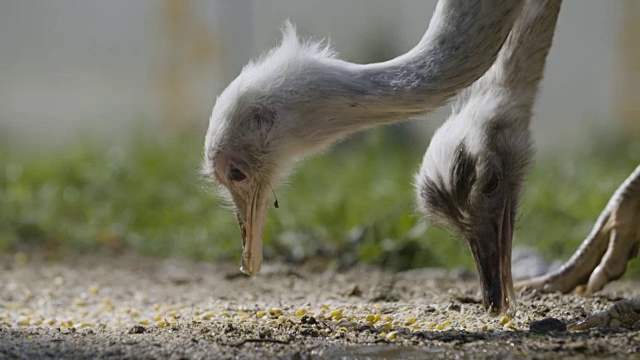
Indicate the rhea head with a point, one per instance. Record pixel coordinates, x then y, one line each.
470 182
279 109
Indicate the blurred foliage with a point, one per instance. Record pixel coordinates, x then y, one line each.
354 204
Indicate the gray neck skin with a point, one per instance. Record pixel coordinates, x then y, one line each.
462 41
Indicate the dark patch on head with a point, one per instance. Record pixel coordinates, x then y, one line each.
463 174
448 206
440 205
496 126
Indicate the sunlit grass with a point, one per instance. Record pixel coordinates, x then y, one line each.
352 204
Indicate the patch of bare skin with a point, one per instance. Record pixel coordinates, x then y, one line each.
132 307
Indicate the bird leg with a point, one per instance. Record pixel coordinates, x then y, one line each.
603 256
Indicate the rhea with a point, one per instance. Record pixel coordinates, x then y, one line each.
473 172
299 98
475 166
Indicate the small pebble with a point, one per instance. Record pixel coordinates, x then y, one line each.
547 325
309 320
137 329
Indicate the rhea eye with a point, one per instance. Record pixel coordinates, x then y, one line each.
236 175
492 185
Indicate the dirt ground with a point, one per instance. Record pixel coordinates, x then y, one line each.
133 307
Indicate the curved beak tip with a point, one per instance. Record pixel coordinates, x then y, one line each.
492 254
251 228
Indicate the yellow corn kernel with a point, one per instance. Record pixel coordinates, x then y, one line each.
440 327
392 335
324 306
336 313
275 311
369 318
388 325
300 312
446 323
510 325
24 322
484 328
431 324
387 318
504 320
377 318
94 289
410 321
261 314
144 322
208 316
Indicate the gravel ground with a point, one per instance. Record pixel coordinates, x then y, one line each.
132 307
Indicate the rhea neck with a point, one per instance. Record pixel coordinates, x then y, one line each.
462 41
515 77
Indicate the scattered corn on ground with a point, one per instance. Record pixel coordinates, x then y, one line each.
91 309
138 296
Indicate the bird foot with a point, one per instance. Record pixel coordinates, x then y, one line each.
604 254
622 314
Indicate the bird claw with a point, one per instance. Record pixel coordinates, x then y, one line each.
604 254
622 314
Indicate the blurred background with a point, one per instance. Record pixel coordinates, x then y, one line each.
104 106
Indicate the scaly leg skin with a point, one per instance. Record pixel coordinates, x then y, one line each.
622 314
603 256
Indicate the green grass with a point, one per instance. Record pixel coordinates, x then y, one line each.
352 204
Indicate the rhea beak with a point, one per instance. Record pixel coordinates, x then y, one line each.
251 219
492 254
